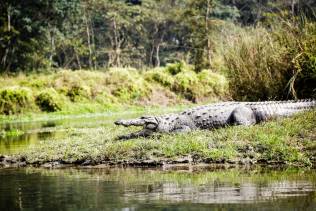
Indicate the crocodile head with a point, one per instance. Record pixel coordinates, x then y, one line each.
171 123
149 123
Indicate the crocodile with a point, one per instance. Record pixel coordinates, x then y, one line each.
215 116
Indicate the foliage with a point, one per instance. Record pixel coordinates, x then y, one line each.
265 47
48 100
181 78
24 29
178 67
258 66
77 92
186 83
14 100
92 91
161 76
302 50
127 84
96 34
271 64
214 84
10 133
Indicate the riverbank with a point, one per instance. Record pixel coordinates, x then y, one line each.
110 90
289 141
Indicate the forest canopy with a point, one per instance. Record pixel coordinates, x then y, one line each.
103 33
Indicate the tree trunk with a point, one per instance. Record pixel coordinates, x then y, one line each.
157 56
78 60
88 39
209 52
151 55
158 49
117 60
52 46
93 47
9 18
293 7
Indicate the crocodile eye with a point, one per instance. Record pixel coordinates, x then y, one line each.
151 126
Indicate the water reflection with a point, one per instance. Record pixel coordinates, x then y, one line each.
143 189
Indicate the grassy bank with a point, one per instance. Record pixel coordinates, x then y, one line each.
77 92
288 141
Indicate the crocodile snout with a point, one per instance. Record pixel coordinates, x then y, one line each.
130 122
120 122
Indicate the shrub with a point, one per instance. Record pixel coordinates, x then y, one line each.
190 84
14 100
77 92
127 84
176 68
49 101
160 76
187 84
213 83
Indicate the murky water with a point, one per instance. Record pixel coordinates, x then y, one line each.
137 189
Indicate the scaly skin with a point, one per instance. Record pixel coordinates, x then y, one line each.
215 116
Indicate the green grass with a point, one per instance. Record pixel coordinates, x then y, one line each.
289 141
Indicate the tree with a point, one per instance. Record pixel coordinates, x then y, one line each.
196 16
24 30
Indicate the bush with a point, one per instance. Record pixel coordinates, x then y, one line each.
187 84
213 83
49 101
176 68
127 84
77 92
160 76
14 100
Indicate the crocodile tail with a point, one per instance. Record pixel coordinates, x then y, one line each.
272 109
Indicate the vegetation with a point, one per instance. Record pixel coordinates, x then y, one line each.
47 100
11 133
79 56
290 141
65 90
266 49
14 100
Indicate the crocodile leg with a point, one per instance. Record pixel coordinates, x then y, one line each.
182 129
243 115
141 133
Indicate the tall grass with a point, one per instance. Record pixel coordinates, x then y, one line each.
274 63
257 65
303 53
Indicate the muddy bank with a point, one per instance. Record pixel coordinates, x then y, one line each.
181 163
